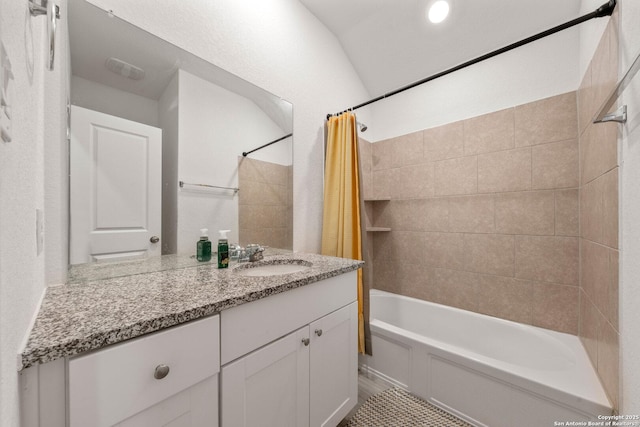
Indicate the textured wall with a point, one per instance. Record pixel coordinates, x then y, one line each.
483 213
280 46
27 183
599 255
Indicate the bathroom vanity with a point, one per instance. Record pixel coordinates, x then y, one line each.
197 347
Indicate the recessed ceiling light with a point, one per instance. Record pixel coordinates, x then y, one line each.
438 11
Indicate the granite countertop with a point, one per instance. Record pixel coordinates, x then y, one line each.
88 315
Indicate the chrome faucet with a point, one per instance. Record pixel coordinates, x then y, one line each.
255 252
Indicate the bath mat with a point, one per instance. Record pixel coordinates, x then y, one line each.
395 407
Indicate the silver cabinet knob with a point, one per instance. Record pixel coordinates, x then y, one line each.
154 239
161 372
318 332
306 341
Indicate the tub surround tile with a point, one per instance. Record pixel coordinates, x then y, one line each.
444 142
406 150
505 297
548 120
567 213
456 288
590 321
547 259
591 211
598 150
504 171
411 182
610 208
555 307
444 250
608 366
456 176
596 274
489 132
80 317
381 155
585 101
382 183
555 165
489 253
472 214
530 213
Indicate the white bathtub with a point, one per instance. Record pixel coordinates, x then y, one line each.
488 371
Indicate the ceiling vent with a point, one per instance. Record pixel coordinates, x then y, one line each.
125 69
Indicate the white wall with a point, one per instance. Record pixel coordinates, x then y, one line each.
280 46
630 209
538 70
168 120
105 99
37 101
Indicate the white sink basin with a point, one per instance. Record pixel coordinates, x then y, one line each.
271 269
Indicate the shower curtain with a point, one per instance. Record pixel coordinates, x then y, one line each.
342 233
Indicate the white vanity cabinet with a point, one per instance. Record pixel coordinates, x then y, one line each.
169 378
295 363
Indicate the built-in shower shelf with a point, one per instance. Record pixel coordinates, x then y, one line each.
378 229
377 200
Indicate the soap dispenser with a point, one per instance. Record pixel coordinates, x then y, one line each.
203 252
223 249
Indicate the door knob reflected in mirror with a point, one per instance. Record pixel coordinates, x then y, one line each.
154 239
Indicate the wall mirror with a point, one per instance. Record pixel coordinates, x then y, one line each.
157 136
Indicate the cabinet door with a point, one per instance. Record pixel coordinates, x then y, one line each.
334 366
196 406
269 387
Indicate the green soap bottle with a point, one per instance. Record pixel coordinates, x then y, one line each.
203 248
223 249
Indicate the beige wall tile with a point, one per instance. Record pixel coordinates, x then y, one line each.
382 180
591 208
585 98
598 150
366 168
610 208
614 266
555 165
547 259
504 171
456 288
472 214
608 365
489 253
444 142
548 120
589 331
555 307
489 132
432 214
567 213
604 74
410 182
595 274
381 213
456 176
443 250
530 212
381 155
416 281
407 150
506 298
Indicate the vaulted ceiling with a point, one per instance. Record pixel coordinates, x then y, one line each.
391 43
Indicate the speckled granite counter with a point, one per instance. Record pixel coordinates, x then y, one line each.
75 318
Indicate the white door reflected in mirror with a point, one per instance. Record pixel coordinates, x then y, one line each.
115 187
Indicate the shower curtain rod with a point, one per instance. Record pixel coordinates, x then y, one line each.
604 10
246 153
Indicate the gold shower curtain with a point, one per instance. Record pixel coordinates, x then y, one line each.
341 222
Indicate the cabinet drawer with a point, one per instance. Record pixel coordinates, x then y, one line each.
249 326
110 385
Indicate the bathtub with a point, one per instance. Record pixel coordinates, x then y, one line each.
485 370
